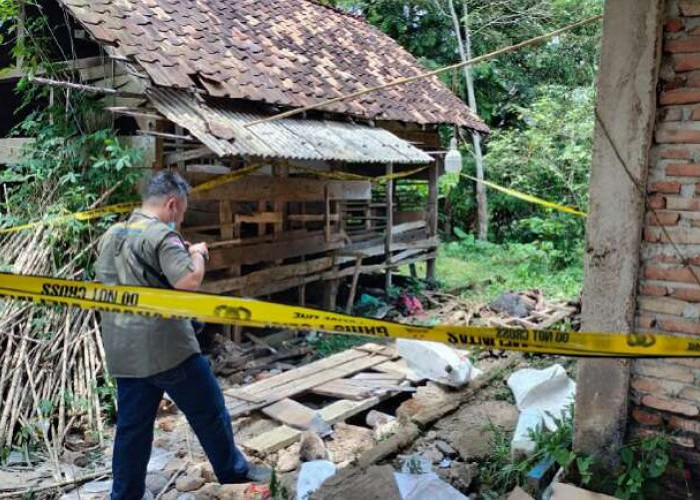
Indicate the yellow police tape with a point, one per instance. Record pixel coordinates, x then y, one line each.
173 304
528 197
122 208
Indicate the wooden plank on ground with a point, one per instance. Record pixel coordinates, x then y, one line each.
400 367
343 389
272 441
339 411
303 379
291 413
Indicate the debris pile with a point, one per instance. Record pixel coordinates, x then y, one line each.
527 309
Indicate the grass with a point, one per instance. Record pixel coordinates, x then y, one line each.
491 269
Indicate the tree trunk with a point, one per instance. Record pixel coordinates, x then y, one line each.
465 53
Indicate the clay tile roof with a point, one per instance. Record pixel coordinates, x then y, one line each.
288 53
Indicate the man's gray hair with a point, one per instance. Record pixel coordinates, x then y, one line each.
165 183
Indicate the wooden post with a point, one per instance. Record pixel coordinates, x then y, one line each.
388 237
432 213
353 286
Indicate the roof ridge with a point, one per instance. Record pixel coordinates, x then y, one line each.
339 10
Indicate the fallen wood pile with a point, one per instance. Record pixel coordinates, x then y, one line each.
51 359
527 309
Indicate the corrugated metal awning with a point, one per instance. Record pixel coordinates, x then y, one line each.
221 128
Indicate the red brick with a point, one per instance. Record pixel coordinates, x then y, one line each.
681 274
696 113
690 393
690 362
646 418
657 202
683 169
672 406
683 424
686 204
664 218
675 154
668 187
663 370
679 96
687 294
676 136
651 235
643 384
671 114
674 25
645 322
683 45
654 290
679 325
687 63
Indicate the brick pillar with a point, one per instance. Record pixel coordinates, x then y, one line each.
665 394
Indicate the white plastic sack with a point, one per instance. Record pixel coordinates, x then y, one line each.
437 362
425 486
312 476
549 392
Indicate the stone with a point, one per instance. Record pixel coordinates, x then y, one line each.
186 496
469 430
208 492
156 482
432 454
288 459
376 418
232 492
207 472
167 424
445 448
461 475
428 396
349 442
188 483
374 483
170 495
312 447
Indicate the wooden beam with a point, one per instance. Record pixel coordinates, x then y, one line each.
254 188
432 213
221 258
388 237
195 154
78 87
353 286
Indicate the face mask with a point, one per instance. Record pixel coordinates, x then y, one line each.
172 226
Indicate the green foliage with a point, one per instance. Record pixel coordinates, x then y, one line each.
328 344
494 268
642 464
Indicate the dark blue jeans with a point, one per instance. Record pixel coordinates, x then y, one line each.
195 390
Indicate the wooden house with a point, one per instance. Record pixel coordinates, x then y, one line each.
186 79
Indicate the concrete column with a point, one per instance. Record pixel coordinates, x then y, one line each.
626 103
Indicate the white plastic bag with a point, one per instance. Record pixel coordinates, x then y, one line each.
437 362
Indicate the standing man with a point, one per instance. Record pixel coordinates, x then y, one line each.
152 356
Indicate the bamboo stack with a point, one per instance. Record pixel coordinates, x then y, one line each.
51 358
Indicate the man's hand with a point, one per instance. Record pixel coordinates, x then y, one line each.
200 248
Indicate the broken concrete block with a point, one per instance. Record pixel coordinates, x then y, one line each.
312 447
349 442
376 419
374 483
288 459
232 492
561 491
437 362
207 492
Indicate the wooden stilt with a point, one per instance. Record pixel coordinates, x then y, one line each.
388 237
432 213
